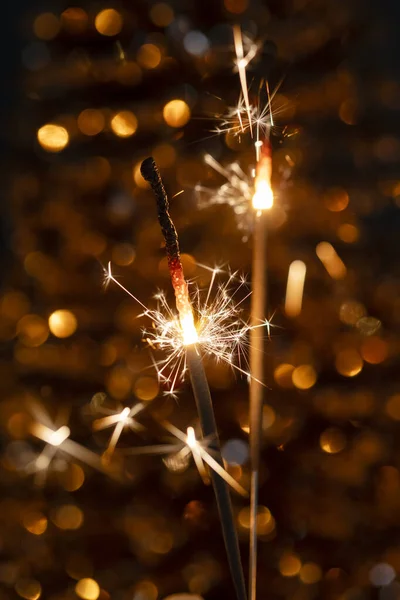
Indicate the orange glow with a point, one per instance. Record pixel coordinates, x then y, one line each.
146 388
68 516
374 350
349 363
331 261
294 288
74 20
91 121
52 137
348 233
161 14
289 565
336 199
30 589
87 589
332 440
149 56
176 113
124 123
263 198
310 573
62 323
108 22
304 377
46 26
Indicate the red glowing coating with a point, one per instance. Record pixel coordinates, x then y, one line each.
180 286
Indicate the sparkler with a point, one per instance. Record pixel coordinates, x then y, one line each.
196 370
57 440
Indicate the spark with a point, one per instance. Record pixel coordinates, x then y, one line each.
218 326
242 62
188 444
57 443
121 419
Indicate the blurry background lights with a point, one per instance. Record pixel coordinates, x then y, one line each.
124 123
195 42
52 137
62 323
91 121
149 56
161 14
176 113
87 589
146 388
30 589
46 26
349 362
304 377
382 574
74 20
332 440
108 22
235 452
310 573
289 565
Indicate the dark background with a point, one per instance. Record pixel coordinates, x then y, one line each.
330 475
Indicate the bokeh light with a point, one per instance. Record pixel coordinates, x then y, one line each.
46 26
87 589
62 323
52 137
91 121
161 14
176 113
124 123
108 22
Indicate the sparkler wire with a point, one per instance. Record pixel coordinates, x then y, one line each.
198 377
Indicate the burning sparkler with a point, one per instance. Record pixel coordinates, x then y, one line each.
196 370
57 439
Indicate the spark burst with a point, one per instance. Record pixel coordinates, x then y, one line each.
221 331
56 436
188 444
120 419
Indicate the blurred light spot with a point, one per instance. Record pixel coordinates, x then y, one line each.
331 261
52 137
35 522
176 113
149 56
294 288
304 377
91 121
124 123
182 597
177 463
119 382
67 516
32 330
368 325
93 243
146 388
46 26
30 589
161 14
72 478
235 452
289 565
283 375
348 112
62 323
78 566
87 589
108 22
236 6
195 42
164 155
145 590
18 425
392 407
137 177
348 233
382 574
268 417
310 573
123 254
336 199
374 350
162 542
74 20
265 521
14 305
35 56
332 440
348 362
351 311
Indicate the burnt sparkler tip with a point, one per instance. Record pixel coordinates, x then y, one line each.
149 170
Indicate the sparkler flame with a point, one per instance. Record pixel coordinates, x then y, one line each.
215 324
263 198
